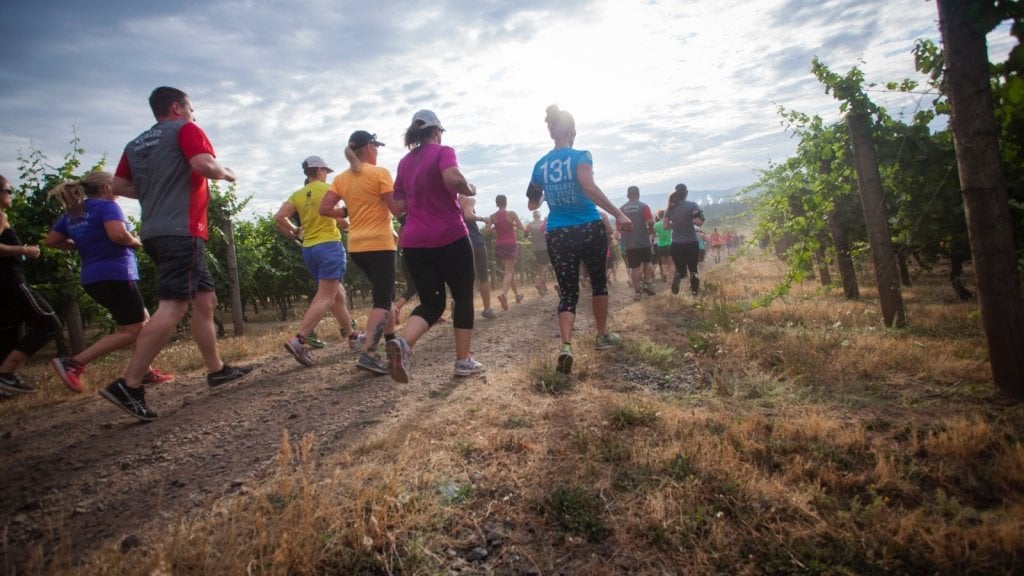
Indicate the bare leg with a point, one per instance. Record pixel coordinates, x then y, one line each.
124 337
204 331
152 339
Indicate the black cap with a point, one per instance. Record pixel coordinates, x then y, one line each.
361 138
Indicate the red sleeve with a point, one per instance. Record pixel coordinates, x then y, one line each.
123 169
647 213
193 141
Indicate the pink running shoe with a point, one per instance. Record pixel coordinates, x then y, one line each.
155 376
70 372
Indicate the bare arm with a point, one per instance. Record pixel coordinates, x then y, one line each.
207 165
585 176
119 234
58 241
29 251
284 223
516 222
123 187
329 206
536 196
456 182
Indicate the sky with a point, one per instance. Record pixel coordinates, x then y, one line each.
662 92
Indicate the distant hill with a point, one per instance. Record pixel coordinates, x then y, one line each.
704 198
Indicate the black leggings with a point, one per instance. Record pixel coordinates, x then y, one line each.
379 267
567 247
433 268
23 305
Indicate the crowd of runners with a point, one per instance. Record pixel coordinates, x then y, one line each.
443 251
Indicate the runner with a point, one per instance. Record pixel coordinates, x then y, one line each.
436 244
22 306
683 216
480 259
323 254
167 168
636 243
538 229
367 192
664 238
506 246
94 225
564 177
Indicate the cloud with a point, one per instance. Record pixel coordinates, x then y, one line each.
661 91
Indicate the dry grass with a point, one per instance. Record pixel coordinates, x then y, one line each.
823 443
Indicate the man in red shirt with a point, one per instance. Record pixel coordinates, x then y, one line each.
166 169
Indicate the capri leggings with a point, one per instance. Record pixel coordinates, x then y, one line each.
685 257
569 246
23 305
432 269
379 267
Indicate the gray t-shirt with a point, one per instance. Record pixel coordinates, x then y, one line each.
640 235
681 215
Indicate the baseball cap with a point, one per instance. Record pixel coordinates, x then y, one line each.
429 119
315 162
681 188
361 138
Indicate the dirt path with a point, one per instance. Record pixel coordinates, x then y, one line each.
79 479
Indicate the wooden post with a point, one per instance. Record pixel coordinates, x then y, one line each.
983 185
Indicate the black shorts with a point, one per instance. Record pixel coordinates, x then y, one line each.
121 298
379 267
636 257
665 251
541 256
181 266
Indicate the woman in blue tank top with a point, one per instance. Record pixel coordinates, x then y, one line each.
564 178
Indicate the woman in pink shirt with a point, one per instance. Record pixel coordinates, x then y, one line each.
506 246
435 243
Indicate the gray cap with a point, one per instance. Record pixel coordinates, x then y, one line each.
315 162
428 118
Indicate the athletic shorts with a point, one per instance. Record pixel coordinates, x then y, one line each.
636 257
181 266
483 273
325 261
121 298
665 251
506 251
542 257
379 267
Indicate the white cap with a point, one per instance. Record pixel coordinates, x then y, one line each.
428 118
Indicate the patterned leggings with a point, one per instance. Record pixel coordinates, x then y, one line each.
567 248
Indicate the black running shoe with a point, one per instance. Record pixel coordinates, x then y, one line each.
13 383
227 374
131 400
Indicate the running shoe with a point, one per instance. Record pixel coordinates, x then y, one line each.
131 400
69 371
297 348
637 296
155 376
489 314
398 359
694 285
675 283
356 341
372 363
468 367
649 289
13 383
503 300
607 340
227 374
314 342
564 362
519 298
